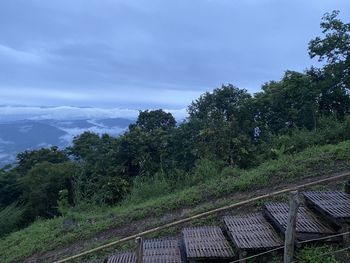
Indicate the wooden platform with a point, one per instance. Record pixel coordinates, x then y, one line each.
335 205
206 243
127 257
252 232
308 225
166 250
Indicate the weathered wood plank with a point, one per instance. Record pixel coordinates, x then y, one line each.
206 243
164 250
308 226
127 257
335 205
251 232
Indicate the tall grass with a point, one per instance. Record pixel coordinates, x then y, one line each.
329 131
145 188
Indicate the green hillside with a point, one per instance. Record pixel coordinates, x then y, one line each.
49 234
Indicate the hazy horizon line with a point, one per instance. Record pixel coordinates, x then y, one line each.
65 112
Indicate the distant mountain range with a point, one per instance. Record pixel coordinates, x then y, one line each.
19 135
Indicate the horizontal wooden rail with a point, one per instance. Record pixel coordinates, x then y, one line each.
205 214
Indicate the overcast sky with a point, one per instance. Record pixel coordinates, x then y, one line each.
152 53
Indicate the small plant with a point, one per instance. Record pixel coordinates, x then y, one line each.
144 188
230 171
206 169
113 190
62 202
312 254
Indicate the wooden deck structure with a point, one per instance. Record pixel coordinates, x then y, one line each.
335 205
165 250
252 232
206 243
249 233
308 225
126 257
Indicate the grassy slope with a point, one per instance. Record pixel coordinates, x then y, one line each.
45 235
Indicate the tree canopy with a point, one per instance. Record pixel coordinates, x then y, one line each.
333 79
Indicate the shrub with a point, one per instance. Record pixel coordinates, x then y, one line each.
329 131
230 171
205 169
41 187
10 218
63 202
314 254
295 142
113 190
148 187
161 183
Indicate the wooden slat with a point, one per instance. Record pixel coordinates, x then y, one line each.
251 232
166 250
308 225
333 204
127 257
206 243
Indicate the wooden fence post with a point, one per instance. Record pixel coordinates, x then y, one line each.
291 226
346 237
139 250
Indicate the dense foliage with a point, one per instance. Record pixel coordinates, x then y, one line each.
225 128
322 254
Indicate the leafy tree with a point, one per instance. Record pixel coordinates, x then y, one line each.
28 159
100 179
226 103
182 143
41 187
11 177
9 190
86 146
11 217
286 104
335 46
224 125
150 121
97 153
334 78
145 149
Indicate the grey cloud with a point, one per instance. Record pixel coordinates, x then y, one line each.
135 53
